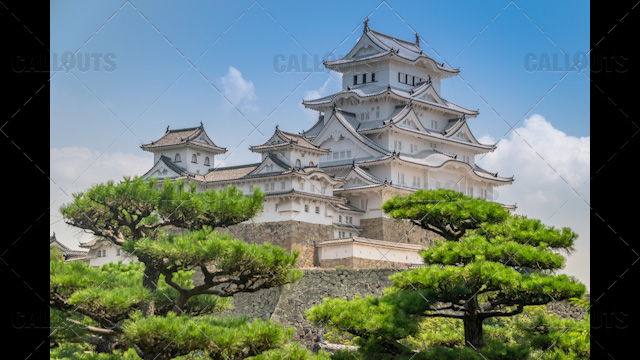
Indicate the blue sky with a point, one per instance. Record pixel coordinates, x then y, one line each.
140 66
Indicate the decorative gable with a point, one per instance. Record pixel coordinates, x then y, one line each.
364 47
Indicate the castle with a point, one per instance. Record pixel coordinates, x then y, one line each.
388 131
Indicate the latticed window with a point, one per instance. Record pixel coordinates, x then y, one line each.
194 159
176 158
206 161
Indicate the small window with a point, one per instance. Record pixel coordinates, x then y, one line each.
348 153
273 186
118 252
355 79
373 77
282 185
306 208
298 163
177 158
206 161
310 163
339 218
194 159
406 79
364 78
317 209
400 77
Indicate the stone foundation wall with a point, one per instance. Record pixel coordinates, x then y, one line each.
360 263
315 285
287 304
396 230
291 235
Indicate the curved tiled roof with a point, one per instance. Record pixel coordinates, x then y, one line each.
186 136
282 139
373 90
393 46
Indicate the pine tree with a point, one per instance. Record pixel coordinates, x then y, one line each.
490 264
108 308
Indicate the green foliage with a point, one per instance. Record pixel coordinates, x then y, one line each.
172 335
291 352
71 351
154 307
229 256
134 208
566 338
55 254
445 212
490 267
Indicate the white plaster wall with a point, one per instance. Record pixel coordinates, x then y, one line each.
418 71
369 251
293 209
111 255
338 251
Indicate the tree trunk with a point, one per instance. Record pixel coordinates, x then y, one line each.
105 344
150 281
473 336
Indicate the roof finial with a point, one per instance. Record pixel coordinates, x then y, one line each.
366 24
276 127
167 128
417 40
353 165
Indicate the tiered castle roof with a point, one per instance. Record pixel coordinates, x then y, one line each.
389 47
194 137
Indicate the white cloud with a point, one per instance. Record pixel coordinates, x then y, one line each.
74 169
333 84
548 166
238 90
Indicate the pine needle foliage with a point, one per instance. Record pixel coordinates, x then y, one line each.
491 264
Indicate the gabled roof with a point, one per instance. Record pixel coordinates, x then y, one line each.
166 161
364 176
281 139
193 137
229 172
372 91
428 158
347 121
453 127
456 126
68 253
389 47
315 129
252 171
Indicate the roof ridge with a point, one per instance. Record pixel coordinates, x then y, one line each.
233 167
